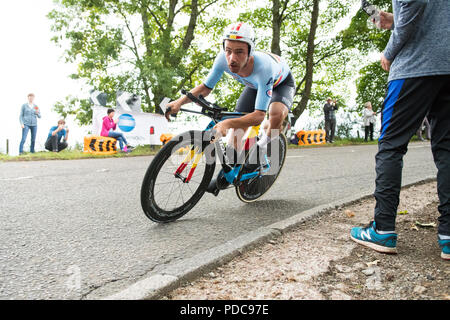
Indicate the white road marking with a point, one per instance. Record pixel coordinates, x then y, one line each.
295 157
16 179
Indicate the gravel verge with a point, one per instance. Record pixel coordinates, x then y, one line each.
318 261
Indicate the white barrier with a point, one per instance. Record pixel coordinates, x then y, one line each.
139 128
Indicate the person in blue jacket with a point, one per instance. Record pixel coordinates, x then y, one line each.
28 121
57 137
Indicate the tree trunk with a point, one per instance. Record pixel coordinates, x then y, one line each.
146 28
189 37
309 61
276 27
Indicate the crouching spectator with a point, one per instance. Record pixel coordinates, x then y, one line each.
57 137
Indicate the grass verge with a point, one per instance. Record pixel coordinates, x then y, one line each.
75 154
153 150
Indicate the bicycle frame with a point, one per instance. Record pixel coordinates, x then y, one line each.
231 173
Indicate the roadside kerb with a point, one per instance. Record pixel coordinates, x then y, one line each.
177 273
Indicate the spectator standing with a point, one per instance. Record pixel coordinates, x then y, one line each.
108 127
57 137
369 121
416 58
425 124
329 111
28 121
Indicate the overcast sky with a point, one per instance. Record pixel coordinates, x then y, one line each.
29 62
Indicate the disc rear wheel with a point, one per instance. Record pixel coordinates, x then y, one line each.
252 189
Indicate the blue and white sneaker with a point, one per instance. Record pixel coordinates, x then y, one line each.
369 237
445 246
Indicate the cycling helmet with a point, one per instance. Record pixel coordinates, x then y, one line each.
240 32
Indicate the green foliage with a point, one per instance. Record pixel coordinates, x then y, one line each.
80 108
156 47
330 56
152 48
371 86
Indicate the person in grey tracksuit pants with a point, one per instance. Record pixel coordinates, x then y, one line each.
418 60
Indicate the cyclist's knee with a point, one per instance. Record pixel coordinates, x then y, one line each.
278 111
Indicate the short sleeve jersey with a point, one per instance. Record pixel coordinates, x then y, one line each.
60 134
268 72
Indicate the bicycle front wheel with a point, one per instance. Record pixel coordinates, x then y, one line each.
252 189
178 177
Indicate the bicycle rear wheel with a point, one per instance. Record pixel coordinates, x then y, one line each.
177 178
252 189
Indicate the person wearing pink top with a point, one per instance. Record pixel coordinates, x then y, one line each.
108 127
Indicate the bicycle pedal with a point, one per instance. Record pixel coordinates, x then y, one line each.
214 191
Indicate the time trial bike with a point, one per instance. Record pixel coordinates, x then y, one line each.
179 175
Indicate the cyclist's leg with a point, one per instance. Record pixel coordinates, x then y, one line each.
278 111
282 101
245 104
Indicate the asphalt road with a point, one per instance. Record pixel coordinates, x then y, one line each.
75 229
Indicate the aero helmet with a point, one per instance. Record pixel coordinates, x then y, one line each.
240 31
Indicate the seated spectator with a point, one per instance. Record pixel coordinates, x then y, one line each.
57 133
109 125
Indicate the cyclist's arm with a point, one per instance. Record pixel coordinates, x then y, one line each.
197 91
252 119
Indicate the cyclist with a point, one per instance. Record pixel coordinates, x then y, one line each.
269 87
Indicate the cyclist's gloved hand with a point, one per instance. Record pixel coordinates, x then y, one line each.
172 109
210 136
221 129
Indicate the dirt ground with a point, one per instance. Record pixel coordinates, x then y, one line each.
319 261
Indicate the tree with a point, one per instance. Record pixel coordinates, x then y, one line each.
371 86
142 46
372 83
309 67
299 33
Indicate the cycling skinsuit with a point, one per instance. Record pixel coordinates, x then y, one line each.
271 81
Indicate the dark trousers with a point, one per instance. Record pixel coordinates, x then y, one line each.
25 130
406 104
330 128
52 144
368 131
